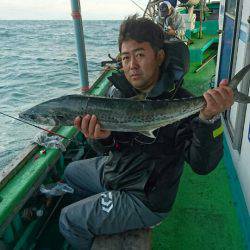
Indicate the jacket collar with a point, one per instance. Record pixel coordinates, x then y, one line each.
163 88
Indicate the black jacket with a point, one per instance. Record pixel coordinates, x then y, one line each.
151 168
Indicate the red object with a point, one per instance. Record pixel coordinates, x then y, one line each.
117 146
36 157
76 15
43 152
84 89
54 133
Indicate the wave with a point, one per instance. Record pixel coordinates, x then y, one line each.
42 64
4 34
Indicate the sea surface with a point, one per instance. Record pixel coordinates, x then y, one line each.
38 61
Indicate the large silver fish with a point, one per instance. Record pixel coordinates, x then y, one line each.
128 115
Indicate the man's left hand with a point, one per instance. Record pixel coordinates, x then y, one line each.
218 100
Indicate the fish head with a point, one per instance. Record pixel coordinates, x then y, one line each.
40 115
37 118
54 112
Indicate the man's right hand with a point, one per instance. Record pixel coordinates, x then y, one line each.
171 31
90 127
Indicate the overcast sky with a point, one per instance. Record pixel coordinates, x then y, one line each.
61 9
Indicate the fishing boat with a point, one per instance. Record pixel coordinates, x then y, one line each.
210 212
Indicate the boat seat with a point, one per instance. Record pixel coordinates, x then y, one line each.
139 239
190 32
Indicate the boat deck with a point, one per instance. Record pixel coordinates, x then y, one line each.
204 215
199 49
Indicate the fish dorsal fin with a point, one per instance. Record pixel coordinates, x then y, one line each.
139 97
148 133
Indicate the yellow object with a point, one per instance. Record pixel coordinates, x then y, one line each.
218 131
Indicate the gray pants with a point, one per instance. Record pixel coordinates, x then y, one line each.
99 211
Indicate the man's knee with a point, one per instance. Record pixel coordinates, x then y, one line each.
74 170
72 219
69 172
64 224
77 234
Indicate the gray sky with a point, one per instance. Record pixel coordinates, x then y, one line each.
61 9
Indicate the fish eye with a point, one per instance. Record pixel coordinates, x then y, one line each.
60 116
32 116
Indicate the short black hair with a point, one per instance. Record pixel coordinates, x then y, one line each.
141 29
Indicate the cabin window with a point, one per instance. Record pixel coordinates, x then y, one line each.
231 7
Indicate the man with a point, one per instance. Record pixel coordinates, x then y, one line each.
135 185
171 20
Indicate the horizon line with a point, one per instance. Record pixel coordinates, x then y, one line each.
59 19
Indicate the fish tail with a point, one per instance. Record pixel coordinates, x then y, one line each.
238 96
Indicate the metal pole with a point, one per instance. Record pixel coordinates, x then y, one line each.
80 44
205 63
201 18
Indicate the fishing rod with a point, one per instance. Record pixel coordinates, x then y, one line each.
33 125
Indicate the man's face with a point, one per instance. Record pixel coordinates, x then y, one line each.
164 10
140 64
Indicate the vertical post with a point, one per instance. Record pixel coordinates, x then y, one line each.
201 18
80 44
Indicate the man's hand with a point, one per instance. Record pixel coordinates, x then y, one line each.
218 100
90 127
170 31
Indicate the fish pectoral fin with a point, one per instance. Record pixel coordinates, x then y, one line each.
148 133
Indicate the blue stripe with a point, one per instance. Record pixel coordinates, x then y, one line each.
243 36
238 196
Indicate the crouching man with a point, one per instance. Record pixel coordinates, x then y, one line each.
134 184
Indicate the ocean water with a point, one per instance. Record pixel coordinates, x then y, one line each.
38 61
